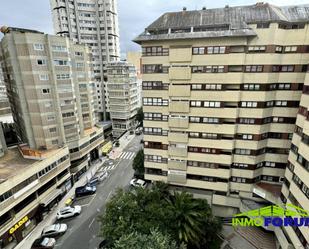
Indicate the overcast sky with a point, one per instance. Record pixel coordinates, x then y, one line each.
134 15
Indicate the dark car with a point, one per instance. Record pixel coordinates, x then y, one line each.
43 243
85 190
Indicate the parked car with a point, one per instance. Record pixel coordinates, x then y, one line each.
131 131
138 183
43 243
103 244
138 131
68 212
94 181
54 230
85 190
102 175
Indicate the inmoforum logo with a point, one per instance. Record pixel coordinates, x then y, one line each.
273 216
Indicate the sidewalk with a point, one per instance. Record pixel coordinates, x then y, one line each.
124 141
51 217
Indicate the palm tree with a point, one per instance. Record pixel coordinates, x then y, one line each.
188 218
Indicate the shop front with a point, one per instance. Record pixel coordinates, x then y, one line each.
19 230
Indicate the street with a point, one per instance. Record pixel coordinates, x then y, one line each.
83 230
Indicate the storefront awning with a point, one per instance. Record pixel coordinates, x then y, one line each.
52 196
107 147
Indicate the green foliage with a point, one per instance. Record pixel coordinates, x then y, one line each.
138 163
140 116
135 218
154 240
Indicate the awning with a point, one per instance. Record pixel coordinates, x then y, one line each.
107 147
52 196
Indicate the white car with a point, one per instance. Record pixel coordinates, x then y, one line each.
54 230
138 183
68 212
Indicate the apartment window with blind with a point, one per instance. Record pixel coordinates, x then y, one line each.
215 50
254 68
198 50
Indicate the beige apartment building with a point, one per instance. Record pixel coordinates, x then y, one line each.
95 23
223 92
123 96
51 90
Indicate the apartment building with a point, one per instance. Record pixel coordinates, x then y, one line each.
123 96
4 102
95 23
223 92
31 181
51 90
135 58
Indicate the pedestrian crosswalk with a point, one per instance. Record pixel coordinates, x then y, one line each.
127 155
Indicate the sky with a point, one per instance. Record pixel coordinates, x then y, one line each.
134 15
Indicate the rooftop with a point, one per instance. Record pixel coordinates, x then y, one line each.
13 162
227 21
17 159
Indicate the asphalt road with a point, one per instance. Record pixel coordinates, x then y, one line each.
83 230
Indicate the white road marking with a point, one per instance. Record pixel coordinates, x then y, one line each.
109 194
128 155
91 222
132 155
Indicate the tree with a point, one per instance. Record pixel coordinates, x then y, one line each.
138 164
154 240
141 211
140 116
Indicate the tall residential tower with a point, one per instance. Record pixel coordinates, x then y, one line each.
223 93
95 23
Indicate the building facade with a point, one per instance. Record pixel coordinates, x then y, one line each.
51 90
95 23
223 92
4 102
31 181
123 96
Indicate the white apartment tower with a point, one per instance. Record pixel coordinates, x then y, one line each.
94 23
123 96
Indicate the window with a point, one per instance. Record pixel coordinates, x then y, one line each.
155 51
279 49
247 136
215 50
212 104
278 120
198 50
207 69
38 46
61 63
52 130
262 26
251 87
50 118
41 62
63 76
196 86
243 151
59 48
287 68
270 164
44 77
256 49
79 64
196 103
281 103
213 87
155 102
290 49
254 68
246 120
283 86
45 90
194 119
77 53
211 120
155 68
249 104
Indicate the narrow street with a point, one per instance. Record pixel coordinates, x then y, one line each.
83 229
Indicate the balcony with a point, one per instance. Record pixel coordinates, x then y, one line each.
179 106
179 91
179 73
177 176
177 152
177 164
178 137
178 122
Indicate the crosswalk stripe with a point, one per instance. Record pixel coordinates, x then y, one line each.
132 155
128 155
